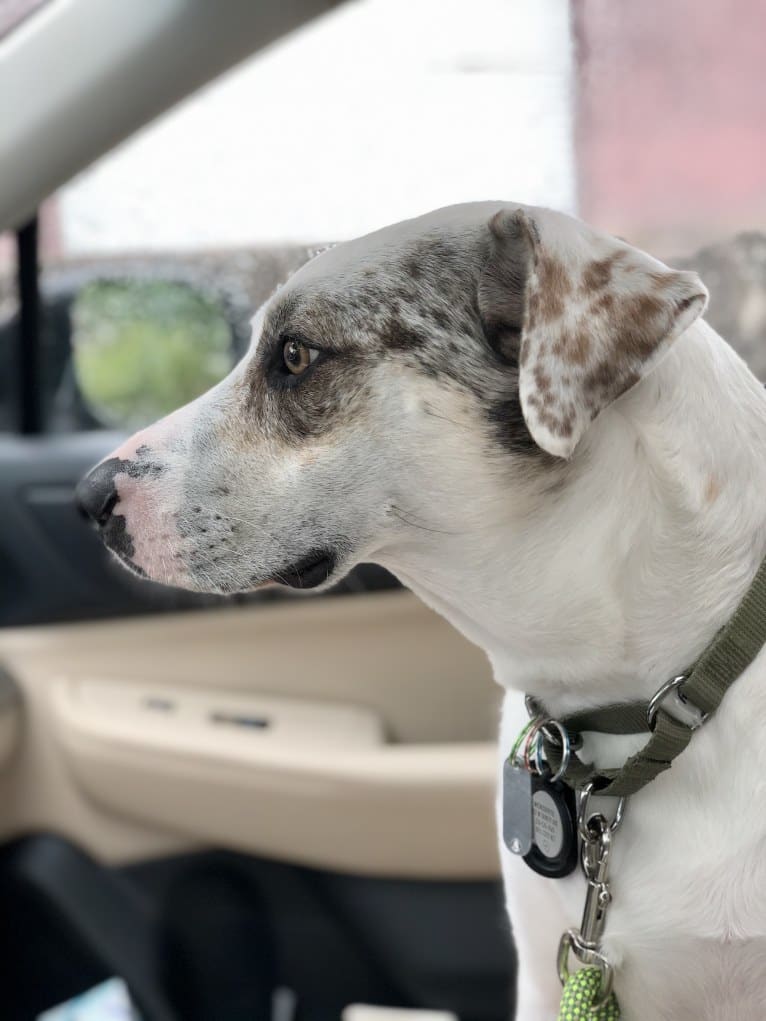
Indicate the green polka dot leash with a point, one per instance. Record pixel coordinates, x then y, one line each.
581 992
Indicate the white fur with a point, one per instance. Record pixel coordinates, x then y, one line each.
594 590
617 588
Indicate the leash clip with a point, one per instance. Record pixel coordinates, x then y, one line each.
572 942
585 943
679 706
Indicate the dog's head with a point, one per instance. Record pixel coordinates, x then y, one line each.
398 386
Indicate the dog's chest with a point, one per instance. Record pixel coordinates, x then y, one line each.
686 929
687 926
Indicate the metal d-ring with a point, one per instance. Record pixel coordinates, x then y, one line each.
674 684
696 716
583 819
571 941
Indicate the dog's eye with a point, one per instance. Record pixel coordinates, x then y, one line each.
297 356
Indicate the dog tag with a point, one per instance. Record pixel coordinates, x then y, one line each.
517 808
554 829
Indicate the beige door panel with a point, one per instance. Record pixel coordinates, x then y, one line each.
353 733
10 718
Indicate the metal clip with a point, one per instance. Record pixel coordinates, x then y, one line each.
585 822
571 941
585 943
598 897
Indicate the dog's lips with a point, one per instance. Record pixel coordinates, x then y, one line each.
309 571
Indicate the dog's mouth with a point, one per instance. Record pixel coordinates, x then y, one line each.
309 571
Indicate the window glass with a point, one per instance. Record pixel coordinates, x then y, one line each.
378 111
143 348
647 123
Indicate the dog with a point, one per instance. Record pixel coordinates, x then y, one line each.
530 423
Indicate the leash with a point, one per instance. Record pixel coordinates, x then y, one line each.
547 788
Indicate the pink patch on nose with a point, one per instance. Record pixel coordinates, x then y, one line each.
151 526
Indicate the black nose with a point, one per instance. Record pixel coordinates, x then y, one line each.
96 494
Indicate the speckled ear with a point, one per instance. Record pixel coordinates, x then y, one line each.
589 316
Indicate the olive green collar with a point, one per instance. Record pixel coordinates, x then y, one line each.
679 708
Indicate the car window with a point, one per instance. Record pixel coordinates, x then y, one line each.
185 229
204 212
141 348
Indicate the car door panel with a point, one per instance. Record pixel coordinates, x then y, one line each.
209 726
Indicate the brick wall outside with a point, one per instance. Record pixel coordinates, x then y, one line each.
671 122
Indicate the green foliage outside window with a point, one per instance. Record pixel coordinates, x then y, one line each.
144 348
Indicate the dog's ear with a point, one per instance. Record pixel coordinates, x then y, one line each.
584 316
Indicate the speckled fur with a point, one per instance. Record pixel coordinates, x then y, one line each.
528 423
598 315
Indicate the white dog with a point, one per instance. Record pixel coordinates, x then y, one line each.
529 423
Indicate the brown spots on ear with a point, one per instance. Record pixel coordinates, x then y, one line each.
598 274
646 306
542 380
557 425
573 349
579 351
554 286
598 380
602 336
607 381
604 304
645 322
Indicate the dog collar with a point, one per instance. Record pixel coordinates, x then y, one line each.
671 716
544 759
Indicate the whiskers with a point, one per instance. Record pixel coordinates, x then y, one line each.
408 519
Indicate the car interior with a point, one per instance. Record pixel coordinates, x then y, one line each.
260 807
271 809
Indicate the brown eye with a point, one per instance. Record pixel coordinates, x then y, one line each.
298 356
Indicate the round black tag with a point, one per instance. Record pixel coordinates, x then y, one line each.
554 829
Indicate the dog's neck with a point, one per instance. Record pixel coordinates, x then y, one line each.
616 581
